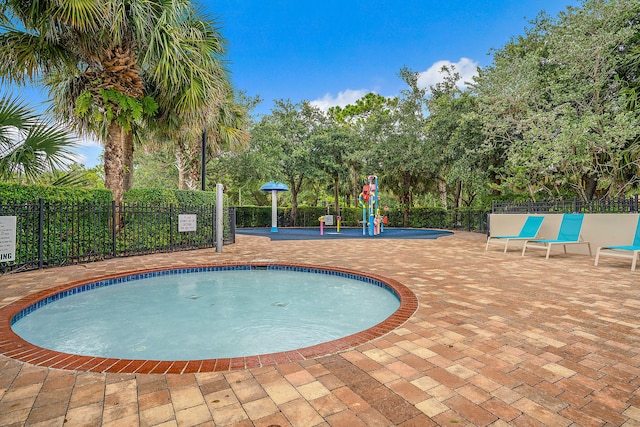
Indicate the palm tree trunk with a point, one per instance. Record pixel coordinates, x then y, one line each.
114 160
182 168
128 161
194 175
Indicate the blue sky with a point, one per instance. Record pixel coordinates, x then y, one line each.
333 52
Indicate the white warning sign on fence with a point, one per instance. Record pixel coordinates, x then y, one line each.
187 222
7 238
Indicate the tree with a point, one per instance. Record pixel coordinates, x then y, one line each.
29 146
453 137
331 148
553 107
286 135
400 146
110 64
588 123
361 121
226 131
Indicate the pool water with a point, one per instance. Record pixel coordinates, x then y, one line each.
212 314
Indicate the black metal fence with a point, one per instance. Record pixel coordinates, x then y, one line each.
452 219
608 205
55 234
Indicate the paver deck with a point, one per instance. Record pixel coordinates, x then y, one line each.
498 339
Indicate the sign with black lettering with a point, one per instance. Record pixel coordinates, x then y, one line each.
7 238
187 222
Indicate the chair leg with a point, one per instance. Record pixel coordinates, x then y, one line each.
635 258
597 257
589 245
549 250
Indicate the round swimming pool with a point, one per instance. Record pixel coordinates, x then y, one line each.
223 317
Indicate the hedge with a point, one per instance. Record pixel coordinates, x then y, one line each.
260 216
18 193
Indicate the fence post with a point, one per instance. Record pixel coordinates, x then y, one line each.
488 224
40 232
171 226
113 229
213 223
232 224
219 217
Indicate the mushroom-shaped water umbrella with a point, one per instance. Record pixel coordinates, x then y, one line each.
274 187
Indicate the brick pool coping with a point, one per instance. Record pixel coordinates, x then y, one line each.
14 347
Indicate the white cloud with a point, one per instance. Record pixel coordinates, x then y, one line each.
467 68
346 97
87 150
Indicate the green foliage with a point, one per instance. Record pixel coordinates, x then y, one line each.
420 218
151 196
554 105
285 139
18 193
195 198
167 196
253 216
30 146
114 105
259 216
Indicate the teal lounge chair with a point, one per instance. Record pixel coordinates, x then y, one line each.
569 234
631 251
529 231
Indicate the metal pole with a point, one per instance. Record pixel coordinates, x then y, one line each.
114 229
203 161
274 211
40 232
219 217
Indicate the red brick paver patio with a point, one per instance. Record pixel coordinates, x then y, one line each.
498 339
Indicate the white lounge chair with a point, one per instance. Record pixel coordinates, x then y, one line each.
529 231
631 251
568 234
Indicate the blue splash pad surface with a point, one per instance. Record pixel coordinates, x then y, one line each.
313 233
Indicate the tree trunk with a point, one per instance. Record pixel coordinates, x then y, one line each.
128 161
294 206
114 160
295 186
458 202
442 190
356 191
182 167
193 178
590 185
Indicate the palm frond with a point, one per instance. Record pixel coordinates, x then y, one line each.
82 15
28 145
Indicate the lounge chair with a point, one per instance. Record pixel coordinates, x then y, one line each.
568 234
622 251
529 231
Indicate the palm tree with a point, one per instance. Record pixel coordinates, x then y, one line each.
110 64
226 129
29 147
